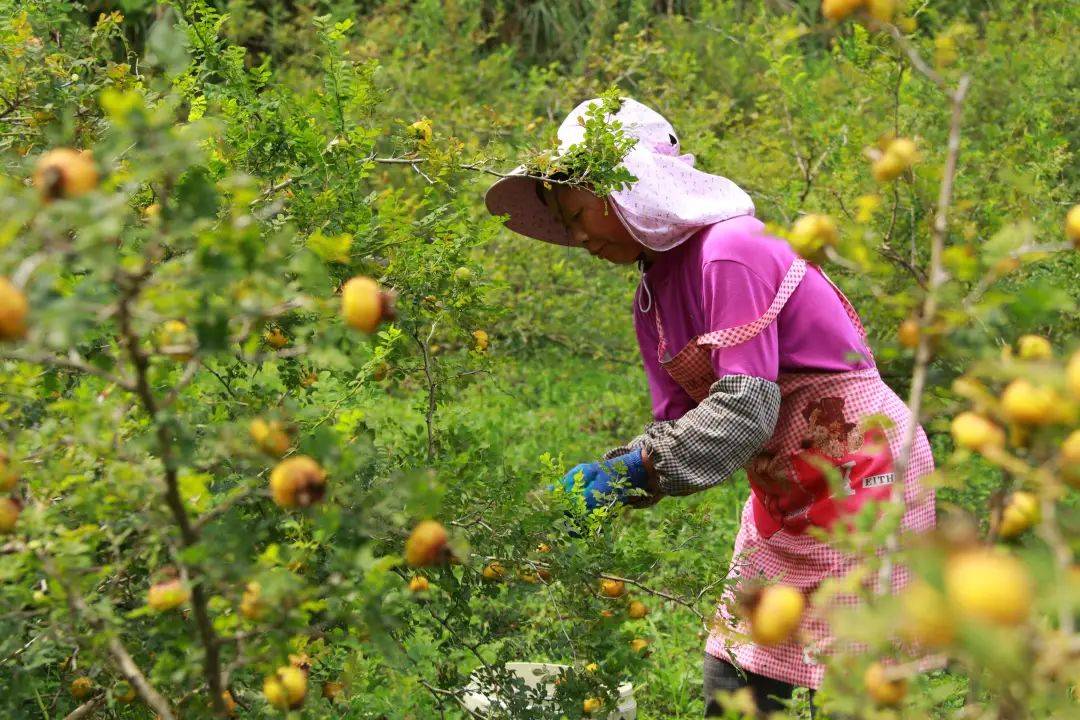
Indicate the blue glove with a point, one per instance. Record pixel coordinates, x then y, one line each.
599 478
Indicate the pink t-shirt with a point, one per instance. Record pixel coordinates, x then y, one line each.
726 275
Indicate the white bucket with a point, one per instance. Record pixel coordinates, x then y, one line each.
481 700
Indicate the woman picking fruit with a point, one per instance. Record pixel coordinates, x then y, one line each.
754 360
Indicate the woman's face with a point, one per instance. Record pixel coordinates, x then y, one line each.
592 224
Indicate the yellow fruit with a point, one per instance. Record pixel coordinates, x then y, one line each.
419 584
297 481
364 305
275 338
81 687
251 605
463 274
1070 458
776 615
592 667
1021 511
904 150
612 588
171 337
331 690
286 688
421 130
480 339
882 690
167 595
926 619
639 644
9 514
124 693
1072 375
837 10
881 10
543 548
65 173
975 432
427 545
270 437
591 705
637 610
493 571
908 334
988 586
1028 404
229 703
1072 225
887 168
13 310
811 234
1034 347
9 476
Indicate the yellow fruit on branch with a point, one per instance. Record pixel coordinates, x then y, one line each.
275 338
286 688
364 305
637 610
229 703
1072 225
881 10
419 583
1034 347
1028 404
1069 458
591 705
776 614
837 10
592 667
480 340
81 687
463 274
331 690
270 437
974 432
988 586
65 173
909 333
639 645
9 514
925 617
1020 512
167 595
427 545
494 571
297 481
9 476
612 588
900 154
13 310
252 606
124 693
421 130
811 234
882 690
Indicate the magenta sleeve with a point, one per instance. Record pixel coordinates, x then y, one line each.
669 400
734 295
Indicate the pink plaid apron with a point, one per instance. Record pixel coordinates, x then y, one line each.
824 420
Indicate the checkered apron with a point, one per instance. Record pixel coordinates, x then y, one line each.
831 453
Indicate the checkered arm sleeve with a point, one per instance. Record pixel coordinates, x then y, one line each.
635 444
709 443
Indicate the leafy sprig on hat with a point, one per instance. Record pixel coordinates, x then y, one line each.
595 162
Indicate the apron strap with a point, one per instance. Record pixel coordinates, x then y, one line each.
741 333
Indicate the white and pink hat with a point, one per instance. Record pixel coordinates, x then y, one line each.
669 201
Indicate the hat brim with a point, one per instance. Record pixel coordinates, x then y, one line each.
515 195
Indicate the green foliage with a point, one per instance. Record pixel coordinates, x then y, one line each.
256 154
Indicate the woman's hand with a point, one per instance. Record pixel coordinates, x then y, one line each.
614 478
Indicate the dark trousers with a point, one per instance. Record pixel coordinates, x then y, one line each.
722 676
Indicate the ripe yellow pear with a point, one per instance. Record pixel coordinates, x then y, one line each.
167 595
9 514
421 130
230 704
776 615
1020 512
1072 225
882 10
837 10
480 339
252 606
899 155
463 274
637 610
275 338
331 690
908 334
639 645
427 545
270 437
81 687
811 234
297 481
9 476
882 690
419 583
925 617
364 305
65 173
975 432
1070 458
13 310
494 571
1034 347
1028 404
591 705
286 688
988 586
612 588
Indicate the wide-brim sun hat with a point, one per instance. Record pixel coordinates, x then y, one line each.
669 201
